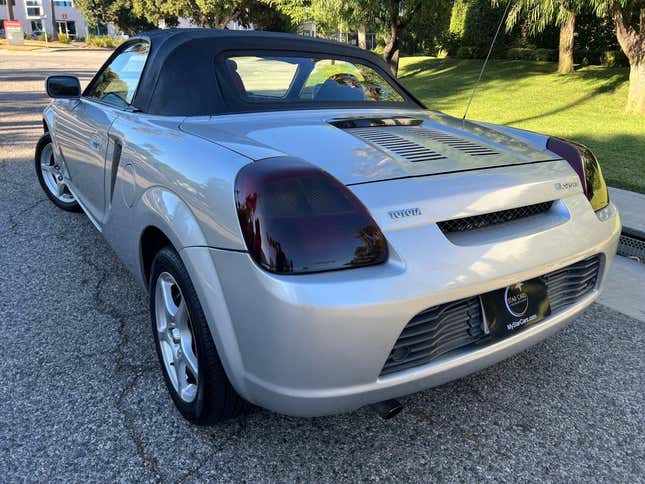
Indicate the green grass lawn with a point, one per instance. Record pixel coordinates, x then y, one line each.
586 106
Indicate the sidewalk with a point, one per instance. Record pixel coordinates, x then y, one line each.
632 210
626 280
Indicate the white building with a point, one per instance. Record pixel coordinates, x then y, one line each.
35 16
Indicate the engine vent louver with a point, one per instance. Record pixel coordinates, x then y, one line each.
469 147
396 138
409 150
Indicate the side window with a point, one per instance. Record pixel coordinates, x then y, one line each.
117 83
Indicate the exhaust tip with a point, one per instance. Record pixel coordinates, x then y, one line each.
387 409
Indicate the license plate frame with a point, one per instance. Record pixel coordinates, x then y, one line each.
509 309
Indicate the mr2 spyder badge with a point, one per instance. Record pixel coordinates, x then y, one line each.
566 185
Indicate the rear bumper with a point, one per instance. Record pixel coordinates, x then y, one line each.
315 344
335 400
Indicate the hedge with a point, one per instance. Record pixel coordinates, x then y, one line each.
548 55
614 58
465 52
102 41
520 53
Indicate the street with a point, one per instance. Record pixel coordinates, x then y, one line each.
82 397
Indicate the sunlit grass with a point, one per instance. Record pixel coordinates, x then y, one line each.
586 106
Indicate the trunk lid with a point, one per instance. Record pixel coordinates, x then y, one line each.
372 145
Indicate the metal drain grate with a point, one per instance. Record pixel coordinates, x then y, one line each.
409 150
466 146
630 246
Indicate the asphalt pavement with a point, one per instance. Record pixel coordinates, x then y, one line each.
82 398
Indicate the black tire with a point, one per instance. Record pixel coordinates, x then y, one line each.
40 146
216 399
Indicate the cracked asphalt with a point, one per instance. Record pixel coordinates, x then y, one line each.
82 399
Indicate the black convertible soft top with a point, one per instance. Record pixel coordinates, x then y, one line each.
180 76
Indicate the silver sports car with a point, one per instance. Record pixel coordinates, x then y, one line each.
312 238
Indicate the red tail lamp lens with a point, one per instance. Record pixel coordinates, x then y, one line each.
297 218
585 164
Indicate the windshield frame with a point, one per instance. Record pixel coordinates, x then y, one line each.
236 104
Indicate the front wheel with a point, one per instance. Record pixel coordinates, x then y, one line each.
50 176
191 367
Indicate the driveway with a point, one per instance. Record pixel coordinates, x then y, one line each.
81 395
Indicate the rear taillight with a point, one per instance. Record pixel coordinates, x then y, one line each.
585 164
297 218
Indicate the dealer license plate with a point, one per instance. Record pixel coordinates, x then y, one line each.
514 307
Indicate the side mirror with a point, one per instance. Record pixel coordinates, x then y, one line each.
64 87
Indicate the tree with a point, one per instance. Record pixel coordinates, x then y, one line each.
629 20
118 12
539 14
218 13
331 16
9 10
427 32
266 17
53 20
95 12
207 13
393 16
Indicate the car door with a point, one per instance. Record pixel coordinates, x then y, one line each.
84 136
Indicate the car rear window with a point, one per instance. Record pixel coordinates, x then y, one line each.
303 79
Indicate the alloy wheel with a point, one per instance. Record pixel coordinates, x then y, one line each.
52 173
176 337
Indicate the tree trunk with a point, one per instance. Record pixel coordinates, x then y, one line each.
391 50
636 96
632 42
9 10
53 21
565 55
362 38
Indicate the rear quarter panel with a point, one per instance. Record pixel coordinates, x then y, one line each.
172 180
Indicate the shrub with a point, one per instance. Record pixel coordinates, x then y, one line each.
465 52
63 38
548 55
102 41
450 44
614 58
473 24
41 37
587 56
518 53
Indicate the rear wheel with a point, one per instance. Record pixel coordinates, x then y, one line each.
191 367
50 176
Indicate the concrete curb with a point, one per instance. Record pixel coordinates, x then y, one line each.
632 210
76 49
